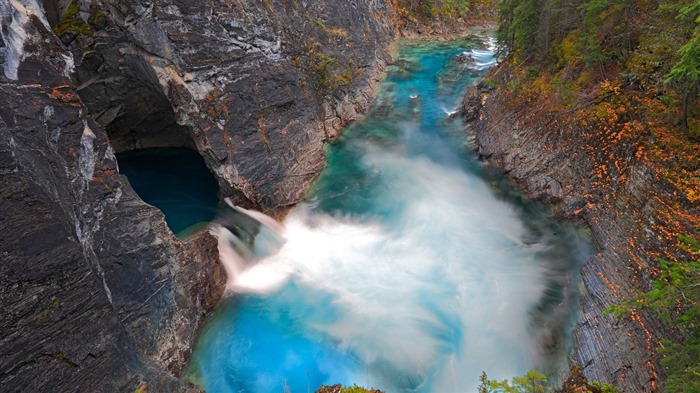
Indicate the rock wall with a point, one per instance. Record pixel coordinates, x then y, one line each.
255 86
596 176
95 291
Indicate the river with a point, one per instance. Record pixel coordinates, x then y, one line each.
410 267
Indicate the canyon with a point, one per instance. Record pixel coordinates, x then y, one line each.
97 293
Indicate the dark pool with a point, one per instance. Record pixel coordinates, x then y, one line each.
176 181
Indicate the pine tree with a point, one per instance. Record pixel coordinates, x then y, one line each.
686 73
518 29
505 32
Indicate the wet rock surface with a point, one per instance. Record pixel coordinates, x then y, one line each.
631 211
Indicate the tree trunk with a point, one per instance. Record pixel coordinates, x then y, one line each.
684 109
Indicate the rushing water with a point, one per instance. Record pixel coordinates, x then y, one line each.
409 268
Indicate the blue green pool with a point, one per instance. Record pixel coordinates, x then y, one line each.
175 180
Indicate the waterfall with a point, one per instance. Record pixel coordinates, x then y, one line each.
245 238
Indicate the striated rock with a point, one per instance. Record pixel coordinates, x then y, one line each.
95 291
632 212
256 87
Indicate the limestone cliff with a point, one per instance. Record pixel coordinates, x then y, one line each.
95 291
598 176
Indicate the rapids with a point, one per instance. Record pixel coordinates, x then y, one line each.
409 268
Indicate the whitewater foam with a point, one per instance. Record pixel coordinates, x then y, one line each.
406 271
430 290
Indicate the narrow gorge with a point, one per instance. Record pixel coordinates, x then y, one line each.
410 262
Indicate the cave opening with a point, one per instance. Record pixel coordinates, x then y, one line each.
175 180
124 92
161 162
160 159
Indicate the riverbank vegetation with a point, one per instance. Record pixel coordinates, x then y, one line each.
676 299
346 389
628 71
536 382
648 47
631 68
610 58
428 12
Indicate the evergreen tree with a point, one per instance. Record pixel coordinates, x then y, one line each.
686 73
607 30
524 27
505 32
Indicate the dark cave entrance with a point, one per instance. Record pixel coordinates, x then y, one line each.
120 85
158 155
176 181
159 158
154 152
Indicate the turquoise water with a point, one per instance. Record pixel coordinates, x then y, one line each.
175 180
409 268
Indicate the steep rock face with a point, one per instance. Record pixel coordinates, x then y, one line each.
255 86
95 291
595 176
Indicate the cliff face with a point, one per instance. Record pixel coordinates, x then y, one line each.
95 291
256 87
598 176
